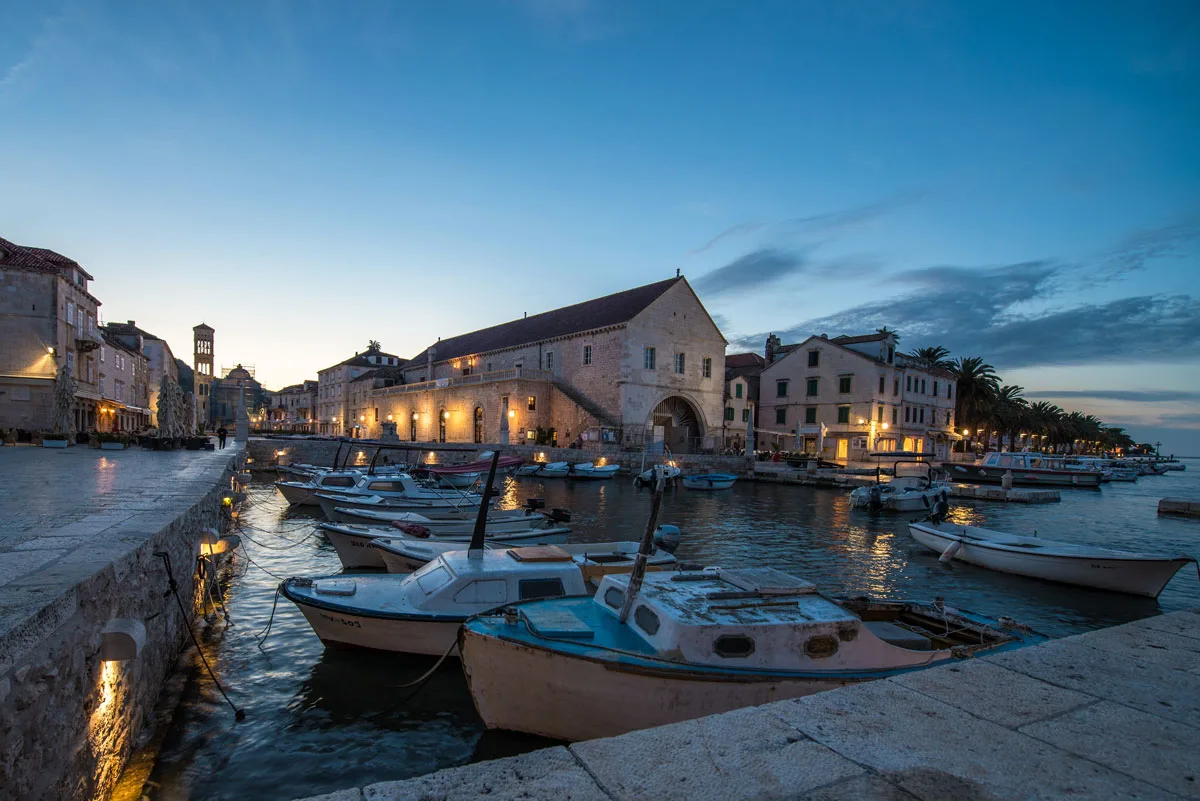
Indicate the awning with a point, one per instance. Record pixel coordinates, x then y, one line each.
943 434
83 394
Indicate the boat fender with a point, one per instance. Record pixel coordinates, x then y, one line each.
667 538
950 551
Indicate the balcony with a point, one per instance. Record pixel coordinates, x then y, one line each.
90 340
512 374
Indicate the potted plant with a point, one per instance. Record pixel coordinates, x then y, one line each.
53 440
110 441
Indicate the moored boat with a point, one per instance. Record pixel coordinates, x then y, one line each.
1067 563
592 472
695 644
497 521
353 542
709 481
1026 469
595 559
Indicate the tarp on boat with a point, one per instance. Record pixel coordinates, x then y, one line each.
477 467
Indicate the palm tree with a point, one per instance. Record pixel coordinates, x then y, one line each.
1049 422
373 344
977 385
1010 413
931 357
885 331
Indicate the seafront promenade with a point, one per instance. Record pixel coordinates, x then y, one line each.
85 538
1111 714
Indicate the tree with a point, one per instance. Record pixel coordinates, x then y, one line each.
977 384
885 331
1010 413
373 344
934 357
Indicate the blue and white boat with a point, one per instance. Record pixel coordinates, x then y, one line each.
695 644
709 481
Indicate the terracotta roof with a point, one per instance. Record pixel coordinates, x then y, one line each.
362 360
57 258
847 340
392 373
23 258
615 309
736 361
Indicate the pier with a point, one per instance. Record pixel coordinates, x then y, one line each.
1179 506
978 492
1113 713
85 539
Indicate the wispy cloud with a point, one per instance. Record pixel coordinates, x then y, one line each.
1133 396
1133 252
770 265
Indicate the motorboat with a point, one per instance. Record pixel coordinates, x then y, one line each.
694 644
1065 562
353 542
903 493
592 472
646 478
709 481
1123 474
497 521
545 469
1026 469
303 492
595 559
420 613
462 476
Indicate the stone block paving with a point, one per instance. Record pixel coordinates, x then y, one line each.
66 514
1112 714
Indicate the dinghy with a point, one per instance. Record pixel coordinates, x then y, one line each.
695 644
1067 563
353 542
497 521
303 491
595 559
709 481
591 472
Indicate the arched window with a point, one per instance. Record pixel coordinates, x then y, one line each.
442 415
478 424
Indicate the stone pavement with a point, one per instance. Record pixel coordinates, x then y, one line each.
66 514
1112 714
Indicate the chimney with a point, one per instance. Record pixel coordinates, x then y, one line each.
773 345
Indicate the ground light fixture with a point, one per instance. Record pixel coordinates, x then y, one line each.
122 639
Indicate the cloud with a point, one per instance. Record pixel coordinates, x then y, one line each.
826 223
1189 420
1135 396
754 269
1133 252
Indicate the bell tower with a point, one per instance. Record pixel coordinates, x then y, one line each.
202 363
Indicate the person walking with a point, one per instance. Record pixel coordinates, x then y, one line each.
221 435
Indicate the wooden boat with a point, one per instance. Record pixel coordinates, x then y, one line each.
1027 469
497 521
420 613
462 476
353 542
595 559
452 505
591 472
709 481
303 492
1064 562
695 644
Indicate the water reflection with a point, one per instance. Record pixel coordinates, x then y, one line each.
321 720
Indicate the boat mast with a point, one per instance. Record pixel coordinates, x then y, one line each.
646 547
475 549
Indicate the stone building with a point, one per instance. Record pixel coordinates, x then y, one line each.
48 318
742 371
158 355
202 368
643 366
333 387
124 386
298 407
849 396
223 402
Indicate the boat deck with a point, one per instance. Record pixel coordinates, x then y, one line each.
1113 713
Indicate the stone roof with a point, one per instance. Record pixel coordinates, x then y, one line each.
610 310
203 327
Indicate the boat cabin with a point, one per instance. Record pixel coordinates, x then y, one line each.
1028 461
759 619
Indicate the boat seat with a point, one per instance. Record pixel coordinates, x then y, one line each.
898 635
342 587
540 553
767 581
548 621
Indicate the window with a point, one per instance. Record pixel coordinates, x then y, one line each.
781 389
906 415
489 367
707 367
843 414
70 313
376 414
882 385
947 417
908 383
949 390
895 415
102 354
810 414
614 597
891 355
844 384
71 362
733 646
648 358
680 360
737 390
811 387
880 414
539 588
531 403
587 354
385 486
745 415
728 412
90 377
432 577
896 387
550 361
466 371
102 385
814 358
935 388
922 386
646 620
781 415
922 414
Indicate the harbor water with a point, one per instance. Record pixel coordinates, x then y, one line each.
319 720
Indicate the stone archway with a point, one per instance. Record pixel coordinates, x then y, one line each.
677 422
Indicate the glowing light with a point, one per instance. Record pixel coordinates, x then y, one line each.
362 418
511 414
445 415
416 416
50 349
389 417
861 421
885 426
280 453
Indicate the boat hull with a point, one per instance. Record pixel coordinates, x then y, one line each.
355 551
435 525
581 699
297 495
409 636
439 510
1145 577
708 483
981 474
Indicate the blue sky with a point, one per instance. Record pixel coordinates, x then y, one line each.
1018 181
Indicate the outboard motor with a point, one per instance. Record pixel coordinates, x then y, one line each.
667 538
534 504
559 514
875 498
939 511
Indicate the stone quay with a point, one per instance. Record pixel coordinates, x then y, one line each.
89 631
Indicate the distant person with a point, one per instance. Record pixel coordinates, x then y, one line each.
221 435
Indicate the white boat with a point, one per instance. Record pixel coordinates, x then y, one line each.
1084 565
353 542
695 644
303 492
592 472
497 521
545 469
447 504
646 478
709 481
901 494
1025 469
595 559
1123 474
420 613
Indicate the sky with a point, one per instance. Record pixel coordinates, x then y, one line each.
1018 181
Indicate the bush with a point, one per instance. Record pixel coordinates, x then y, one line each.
54 437
110 436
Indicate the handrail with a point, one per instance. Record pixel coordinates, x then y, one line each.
512 373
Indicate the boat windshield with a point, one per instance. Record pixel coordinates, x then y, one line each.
432 576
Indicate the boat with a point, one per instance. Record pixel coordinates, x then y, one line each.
1027 469
1123 474
497 521
595 559
709 481
353 542
1064 562
420 613
646 478
696 643
592 472
545 469
903 493
462 476
303 492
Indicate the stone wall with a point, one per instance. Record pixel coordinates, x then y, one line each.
68 721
